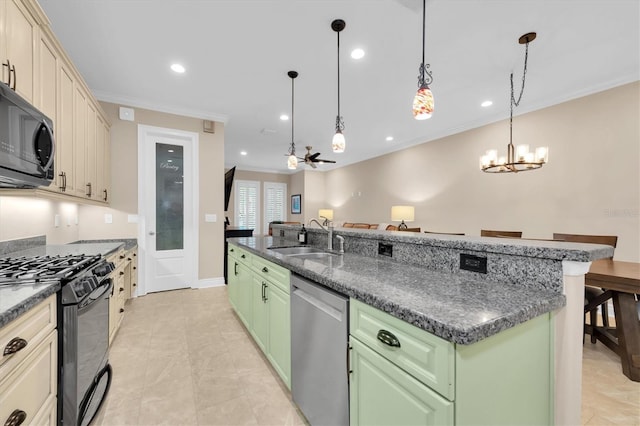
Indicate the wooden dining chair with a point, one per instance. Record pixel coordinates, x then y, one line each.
590 293
347 225
444 233
503 234
361 226
391 228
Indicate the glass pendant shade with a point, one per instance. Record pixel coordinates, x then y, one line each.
423 103
292 162
338 142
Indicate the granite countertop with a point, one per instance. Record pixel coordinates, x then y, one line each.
15 300
88 249
129 243
454 307
18 299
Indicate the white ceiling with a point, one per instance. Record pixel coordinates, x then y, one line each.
237 54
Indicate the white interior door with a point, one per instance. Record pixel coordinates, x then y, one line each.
168 226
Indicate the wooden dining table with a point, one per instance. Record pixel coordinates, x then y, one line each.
620 281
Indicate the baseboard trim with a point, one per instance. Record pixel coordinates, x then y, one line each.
211 282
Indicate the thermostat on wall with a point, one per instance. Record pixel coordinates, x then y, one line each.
127 114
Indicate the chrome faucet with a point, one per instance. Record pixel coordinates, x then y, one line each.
329 229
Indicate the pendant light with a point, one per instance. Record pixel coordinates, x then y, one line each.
292 160
338 142
423 101
518 159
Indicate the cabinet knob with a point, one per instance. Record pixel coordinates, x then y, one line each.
121 289
264 269
388 338
243 256
16 418
121 310
121 273
134 284
15 345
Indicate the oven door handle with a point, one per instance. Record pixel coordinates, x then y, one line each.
102 290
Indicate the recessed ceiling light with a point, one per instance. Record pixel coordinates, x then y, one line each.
284 117
357 53
486 104
178 68
243 152
389 138
169 150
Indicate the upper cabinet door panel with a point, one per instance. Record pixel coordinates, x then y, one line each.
21 32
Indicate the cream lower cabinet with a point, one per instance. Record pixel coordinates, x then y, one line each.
117 297
402 375
29 374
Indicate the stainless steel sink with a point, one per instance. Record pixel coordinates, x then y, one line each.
301 251
314 255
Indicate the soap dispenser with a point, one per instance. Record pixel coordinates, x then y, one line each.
302 235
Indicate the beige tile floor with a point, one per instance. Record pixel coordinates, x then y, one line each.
183 358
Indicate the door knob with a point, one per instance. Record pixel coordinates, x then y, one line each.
152 233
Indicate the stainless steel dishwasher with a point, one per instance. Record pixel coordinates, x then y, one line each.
319 344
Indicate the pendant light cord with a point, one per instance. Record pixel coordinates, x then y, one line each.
338 74
424 25
513 101
293 146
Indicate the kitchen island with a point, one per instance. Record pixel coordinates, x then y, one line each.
495 324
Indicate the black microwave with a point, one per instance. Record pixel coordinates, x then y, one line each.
26 143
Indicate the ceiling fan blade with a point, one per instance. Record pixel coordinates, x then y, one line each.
312 164
324 161
314 156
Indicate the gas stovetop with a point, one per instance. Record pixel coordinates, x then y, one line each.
15 270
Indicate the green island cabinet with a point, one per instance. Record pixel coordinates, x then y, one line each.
403 375
259 293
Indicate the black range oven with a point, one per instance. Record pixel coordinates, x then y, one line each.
84 373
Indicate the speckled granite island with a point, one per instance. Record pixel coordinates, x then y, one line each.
423 285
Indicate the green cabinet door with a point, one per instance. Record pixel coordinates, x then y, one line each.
232 281
383 394
245 295
279 352
259 311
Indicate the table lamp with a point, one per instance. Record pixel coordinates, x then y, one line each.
402 214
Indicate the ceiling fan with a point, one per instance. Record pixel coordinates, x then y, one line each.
312 159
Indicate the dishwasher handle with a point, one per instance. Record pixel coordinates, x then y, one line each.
319 304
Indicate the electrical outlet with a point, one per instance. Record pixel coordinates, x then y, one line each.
56 221
385 249
473 263
108 218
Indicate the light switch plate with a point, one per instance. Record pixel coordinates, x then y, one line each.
210 217
132 218
108 218
56 220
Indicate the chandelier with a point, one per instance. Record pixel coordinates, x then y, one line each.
519 159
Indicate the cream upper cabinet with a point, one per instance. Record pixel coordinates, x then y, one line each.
91 146
35 62
65 131
46 101
19 36
80 142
